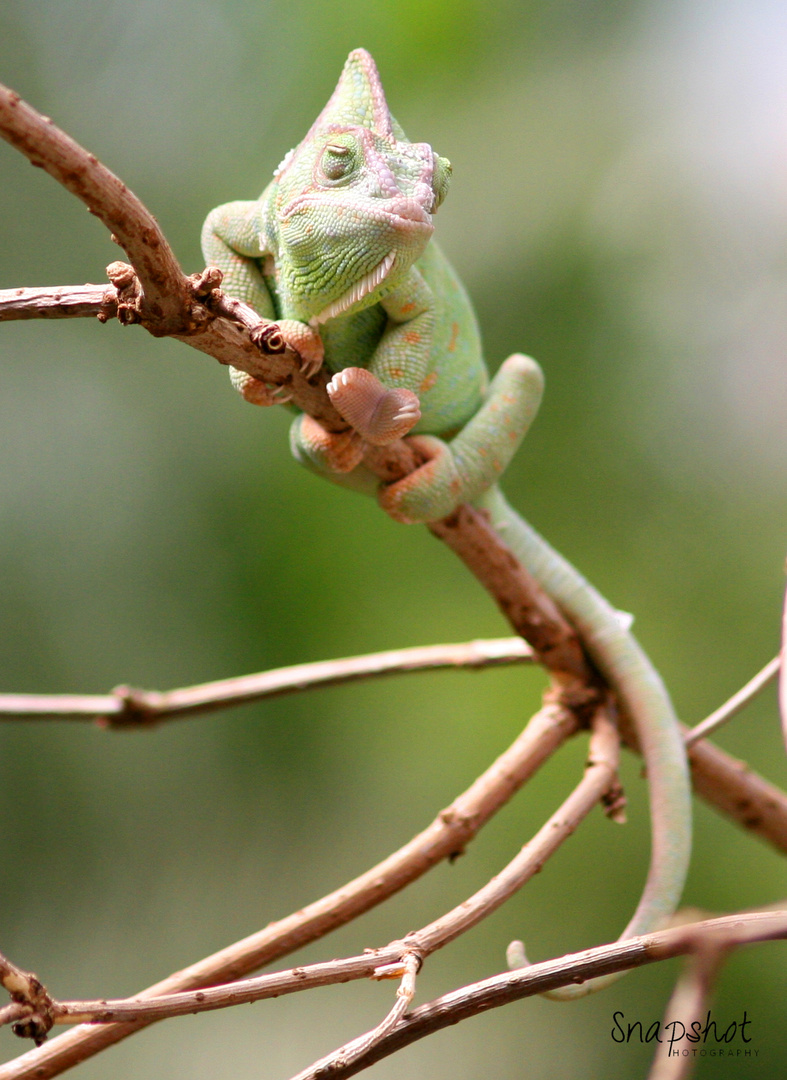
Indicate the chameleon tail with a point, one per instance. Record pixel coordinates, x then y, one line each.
645 699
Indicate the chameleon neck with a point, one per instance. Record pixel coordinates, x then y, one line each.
644 698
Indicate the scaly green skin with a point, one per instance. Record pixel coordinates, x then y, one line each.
337 250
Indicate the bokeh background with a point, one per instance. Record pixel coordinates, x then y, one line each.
618 210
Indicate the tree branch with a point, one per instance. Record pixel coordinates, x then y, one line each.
157 294
130 222
738 701
599 778
446 837
739 930
126 707
65 302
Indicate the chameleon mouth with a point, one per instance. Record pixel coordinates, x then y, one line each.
368 283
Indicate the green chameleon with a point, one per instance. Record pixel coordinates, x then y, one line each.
337 250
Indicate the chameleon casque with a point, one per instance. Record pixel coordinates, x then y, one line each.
338 251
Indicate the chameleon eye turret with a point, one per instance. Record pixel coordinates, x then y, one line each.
441 178
337 162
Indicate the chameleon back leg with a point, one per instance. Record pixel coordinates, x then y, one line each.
460 470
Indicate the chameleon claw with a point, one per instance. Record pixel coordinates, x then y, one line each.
310 367
409 410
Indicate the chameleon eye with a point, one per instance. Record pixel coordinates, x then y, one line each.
337 162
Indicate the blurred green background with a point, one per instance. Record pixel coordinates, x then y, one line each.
618 210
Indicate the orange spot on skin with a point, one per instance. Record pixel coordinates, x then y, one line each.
408 307
454 336
397 373
428 382
412 337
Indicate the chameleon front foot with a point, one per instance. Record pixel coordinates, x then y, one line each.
380 415
306 342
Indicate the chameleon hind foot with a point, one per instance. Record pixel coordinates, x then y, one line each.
327 451
257 392
430 492
462 469
379 414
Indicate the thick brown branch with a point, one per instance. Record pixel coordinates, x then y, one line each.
531 612
130 222
730 786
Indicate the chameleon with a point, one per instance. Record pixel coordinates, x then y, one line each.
338 251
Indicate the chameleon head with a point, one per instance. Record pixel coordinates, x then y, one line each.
353 204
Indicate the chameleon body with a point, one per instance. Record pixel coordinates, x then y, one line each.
338 251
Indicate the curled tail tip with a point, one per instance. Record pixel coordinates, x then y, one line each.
525 365
516 956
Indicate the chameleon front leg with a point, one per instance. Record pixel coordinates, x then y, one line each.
379 402
231 240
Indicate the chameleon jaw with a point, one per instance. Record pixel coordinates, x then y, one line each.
367 284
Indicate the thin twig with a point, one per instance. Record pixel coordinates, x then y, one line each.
126 706
737 702
741 929
446 837
599 775
141 1010
357 1048
67 302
